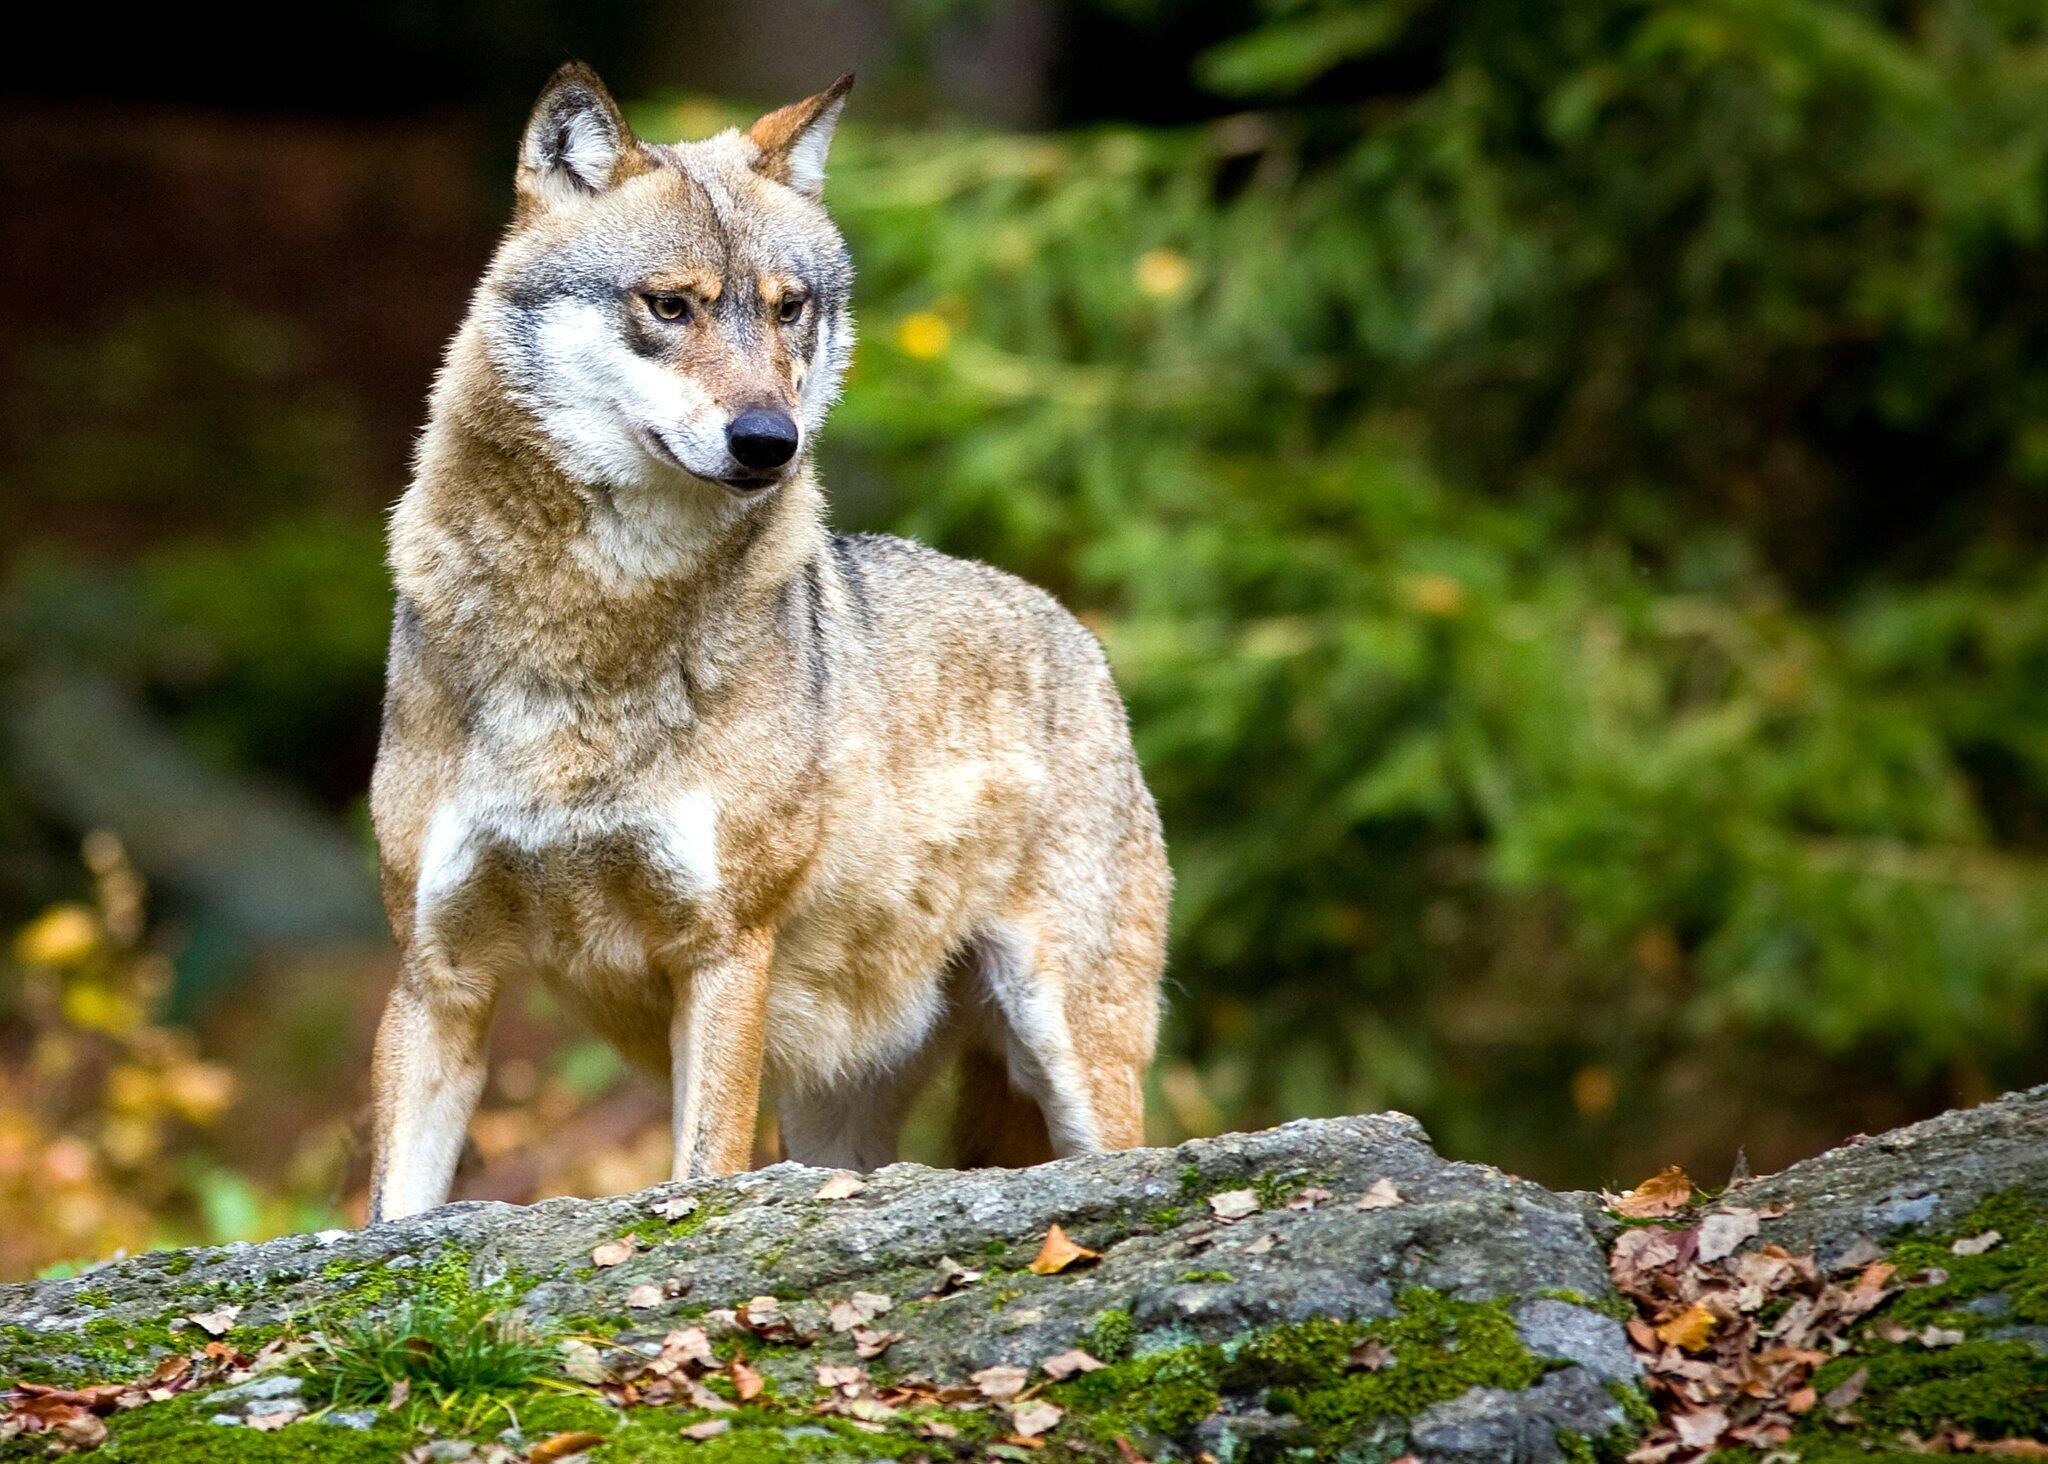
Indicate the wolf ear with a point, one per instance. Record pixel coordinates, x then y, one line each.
793 139
574 141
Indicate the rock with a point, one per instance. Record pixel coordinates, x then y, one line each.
1174 1280
1488 1426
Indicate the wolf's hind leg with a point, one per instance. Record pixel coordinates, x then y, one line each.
426 1078
1065 1051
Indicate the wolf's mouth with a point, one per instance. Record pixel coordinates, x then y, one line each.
752 482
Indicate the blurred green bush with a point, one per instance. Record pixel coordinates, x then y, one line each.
1561 487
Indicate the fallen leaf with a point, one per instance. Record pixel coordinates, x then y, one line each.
1309 1198
857 1310
1059 1252
1976 1245
580 1361
999 1382
841 1186
698 1396
1846 1392
1035 1416
1263 1244
217 1322
1131 1455
746 1380
710 1428
1369 1356
276 1418
1664 1193
612 1252
646 1294
676 1208
871 1342
1235 1204
1857 1254
1690 1330
1723 1232
400 1391
842 1377
1380 1195
1063 1365
952 1276
1702 1429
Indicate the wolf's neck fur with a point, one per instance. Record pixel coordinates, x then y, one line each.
523 571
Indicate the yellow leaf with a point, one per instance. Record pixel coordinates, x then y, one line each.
1691 1329
1059 1252
1665 1193
62 935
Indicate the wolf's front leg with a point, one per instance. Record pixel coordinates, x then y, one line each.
715 1041
426 1079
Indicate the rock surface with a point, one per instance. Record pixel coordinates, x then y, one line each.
1174 1278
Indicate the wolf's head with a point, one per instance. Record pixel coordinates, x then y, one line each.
671 310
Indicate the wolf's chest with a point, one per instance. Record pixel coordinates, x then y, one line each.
569 837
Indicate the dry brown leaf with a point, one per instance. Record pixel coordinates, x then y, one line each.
1232 1205
709 1428
1369 1356
613 1252
952 1276
560 1446
1380 1195
275 1418
842 1377
646 1294
1976 1245
1309 1198
999 1382
1063 1365
1035 1416
1059 1252
841 1186
1664 1193
216 1323
872 1342
857 1310
746 1380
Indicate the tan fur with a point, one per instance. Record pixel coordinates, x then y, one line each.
755 800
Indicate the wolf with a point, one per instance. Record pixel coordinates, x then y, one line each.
761 802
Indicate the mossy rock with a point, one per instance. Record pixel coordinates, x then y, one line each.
1489 1295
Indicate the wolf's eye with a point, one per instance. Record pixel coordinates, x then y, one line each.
791 310
669 307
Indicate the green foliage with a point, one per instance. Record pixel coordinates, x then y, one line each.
1508 502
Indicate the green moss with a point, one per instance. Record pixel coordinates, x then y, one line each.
1439 1348
1197 1276
1167 1218
1993 1387
1110 1336
93 1298
177 1263
177 1432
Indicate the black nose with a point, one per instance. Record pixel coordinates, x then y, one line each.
762 440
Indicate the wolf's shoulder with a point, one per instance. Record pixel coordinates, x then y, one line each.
891 579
